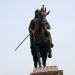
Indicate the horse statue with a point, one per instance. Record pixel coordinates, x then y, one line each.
40 37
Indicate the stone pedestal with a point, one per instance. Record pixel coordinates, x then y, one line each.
48 70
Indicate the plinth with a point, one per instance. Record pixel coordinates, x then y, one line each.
48 70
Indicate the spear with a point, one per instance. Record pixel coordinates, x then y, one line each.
21 42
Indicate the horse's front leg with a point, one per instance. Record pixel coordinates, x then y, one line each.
39 59
35 60
44 58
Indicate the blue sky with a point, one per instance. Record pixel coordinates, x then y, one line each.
15 17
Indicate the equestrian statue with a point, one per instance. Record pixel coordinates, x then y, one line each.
40 37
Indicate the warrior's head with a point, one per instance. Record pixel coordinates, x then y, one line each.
37 13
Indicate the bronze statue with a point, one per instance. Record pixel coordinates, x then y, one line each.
40 37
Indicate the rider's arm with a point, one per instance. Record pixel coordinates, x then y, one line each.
32 27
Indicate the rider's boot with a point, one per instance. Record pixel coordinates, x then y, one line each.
52 45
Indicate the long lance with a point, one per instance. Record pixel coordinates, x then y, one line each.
21 42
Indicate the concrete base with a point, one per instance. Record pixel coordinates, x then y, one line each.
48 70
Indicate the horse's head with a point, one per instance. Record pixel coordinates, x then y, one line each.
43 12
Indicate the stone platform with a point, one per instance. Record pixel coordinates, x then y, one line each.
48 70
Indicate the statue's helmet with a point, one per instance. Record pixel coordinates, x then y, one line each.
37 13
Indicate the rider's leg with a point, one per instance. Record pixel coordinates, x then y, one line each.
49 50
50 38
50 45
49 54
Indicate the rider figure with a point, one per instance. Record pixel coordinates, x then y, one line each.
35 40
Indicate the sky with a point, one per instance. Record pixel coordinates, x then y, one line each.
15 17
